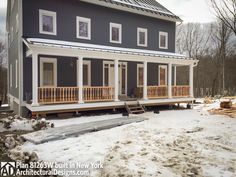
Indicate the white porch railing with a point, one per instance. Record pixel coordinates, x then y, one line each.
57 95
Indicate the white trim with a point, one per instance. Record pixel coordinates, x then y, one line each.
159 76
16 70
13 99
17 23
119 26
145 31
161 33
88 62
47 13
12 34
85 20
139 66
10 75
54 62
126 78
145 69
112 104
169 80
12 4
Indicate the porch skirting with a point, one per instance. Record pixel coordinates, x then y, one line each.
43 109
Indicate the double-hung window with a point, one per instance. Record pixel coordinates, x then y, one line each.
48 72
142 37
47 22
115 33
163 40
83 28
140 75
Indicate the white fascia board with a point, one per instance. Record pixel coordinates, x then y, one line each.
54 51
76 45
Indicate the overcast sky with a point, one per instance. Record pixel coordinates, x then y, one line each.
190 10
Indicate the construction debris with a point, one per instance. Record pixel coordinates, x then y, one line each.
230 112
208 100
226 104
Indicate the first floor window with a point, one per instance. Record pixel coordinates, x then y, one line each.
162 75
83 28
142 37
106 75
48 69
47 22
140 75
163 40
115 33
16 70
86 73
11 75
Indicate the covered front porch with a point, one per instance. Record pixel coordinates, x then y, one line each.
117 66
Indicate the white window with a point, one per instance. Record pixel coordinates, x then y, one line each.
142 37
12 34
115 33
83 28
17 22
162 75
163 40
47 22
140 75
48 72
16 70
11 75
86 73
12 4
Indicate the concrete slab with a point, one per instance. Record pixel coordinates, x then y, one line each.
53 134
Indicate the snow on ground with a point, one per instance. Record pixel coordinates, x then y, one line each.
17 124
172 143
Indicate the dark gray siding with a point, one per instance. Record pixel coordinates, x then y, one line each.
13 52
100 19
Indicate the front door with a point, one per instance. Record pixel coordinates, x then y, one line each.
162 75
109 76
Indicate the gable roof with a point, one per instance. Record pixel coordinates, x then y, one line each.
144 7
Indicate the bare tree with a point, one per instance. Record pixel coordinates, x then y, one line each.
226 12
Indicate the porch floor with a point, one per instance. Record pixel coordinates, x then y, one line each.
44 136
56 108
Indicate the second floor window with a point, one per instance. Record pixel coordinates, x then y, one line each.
163 40
47 22
142 37
83 28
115 33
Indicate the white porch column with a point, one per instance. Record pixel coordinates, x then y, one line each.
80 78
191 80
145 97
35 79
116 80
175 75
169 80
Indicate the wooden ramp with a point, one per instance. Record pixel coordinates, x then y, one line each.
44 136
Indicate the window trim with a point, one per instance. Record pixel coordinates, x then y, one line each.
86 20
48 60
139 66
48 13
145 30
88 62
119 26
16 70
17 23
11 75
161 33
159 76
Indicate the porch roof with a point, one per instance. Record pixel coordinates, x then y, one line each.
102 48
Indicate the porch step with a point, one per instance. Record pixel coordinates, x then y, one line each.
134 108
